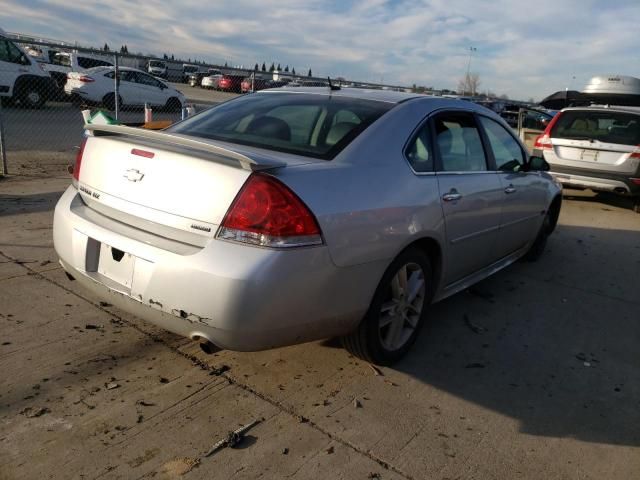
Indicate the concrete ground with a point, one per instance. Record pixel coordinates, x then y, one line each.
531 374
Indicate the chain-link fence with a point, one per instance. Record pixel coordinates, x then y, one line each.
49 89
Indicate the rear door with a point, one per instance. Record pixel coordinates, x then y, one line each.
524 193
471 194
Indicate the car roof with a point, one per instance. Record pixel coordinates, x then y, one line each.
388 96
605 108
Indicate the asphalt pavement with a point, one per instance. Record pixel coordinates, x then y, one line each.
533 373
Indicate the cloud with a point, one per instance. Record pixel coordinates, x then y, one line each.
524 49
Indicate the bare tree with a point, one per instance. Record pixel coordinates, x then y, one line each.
469 84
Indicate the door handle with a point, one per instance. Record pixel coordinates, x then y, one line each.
452 196
510 189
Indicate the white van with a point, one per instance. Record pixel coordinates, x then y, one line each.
157 68
22 79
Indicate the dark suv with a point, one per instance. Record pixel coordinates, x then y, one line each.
596 147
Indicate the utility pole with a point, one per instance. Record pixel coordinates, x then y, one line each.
467 78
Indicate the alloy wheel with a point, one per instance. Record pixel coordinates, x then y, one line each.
401 311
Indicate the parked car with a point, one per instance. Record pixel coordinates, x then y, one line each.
63 63
596 147
157 68
230 83
254 84
195 79
137 88
211 78
22 79
303 215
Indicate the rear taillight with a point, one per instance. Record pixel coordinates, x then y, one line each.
85 79
78 164
635 153
635 180
267 213
543 142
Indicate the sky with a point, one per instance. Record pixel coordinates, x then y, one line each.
523 49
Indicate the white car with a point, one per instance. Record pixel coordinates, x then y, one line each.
137 88
211 81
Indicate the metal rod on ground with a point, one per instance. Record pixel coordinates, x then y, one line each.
116 79
3 152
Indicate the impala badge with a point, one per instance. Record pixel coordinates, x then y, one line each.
133 175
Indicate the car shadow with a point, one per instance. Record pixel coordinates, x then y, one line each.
553 344
605 198
30 203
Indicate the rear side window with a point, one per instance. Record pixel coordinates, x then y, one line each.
317 126
606 127
458 143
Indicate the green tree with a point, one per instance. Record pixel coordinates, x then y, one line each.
309 74
106 47
256 67
264 67
272 67
293 71
286 69
279 68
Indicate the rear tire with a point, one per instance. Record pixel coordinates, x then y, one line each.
397 311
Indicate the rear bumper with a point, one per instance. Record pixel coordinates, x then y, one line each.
238 297
596 180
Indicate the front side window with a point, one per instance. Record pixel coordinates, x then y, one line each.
318 126
458 143
507 153
10 53
143 79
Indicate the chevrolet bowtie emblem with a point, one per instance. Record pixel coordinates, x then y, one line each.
133 175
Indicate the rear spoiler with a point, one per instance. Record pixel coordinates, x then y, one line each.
221 154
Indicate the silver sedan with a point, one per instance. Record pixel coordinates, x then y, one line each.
287 216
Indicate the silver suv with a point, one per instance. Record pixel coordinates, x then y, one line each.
596 147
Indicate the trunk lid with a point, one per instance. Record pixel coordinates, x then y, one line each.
164 183
593 154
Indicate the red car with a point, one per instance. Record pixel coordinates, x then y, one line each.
230 83
258 84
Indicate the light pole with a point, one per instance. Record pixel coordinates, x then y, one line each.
466 78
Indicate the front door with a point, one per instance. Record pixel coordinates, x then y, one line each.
524 193
11 66
470 193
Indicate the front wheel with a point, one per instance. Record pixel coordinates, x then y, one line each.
397 311
31 97
540 243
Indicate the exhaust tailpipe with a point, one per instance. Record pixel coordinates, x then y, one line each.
207 347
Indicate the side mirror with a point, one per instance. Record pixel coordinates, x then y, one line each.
538 164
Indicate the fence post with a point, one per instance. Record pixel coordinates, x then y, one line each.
3 152
253 77
116 79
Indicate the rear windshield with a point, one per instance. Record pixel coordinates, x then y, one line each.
318 126
606 127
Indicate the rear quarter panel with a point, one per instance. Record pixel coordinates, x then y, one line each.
369 203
